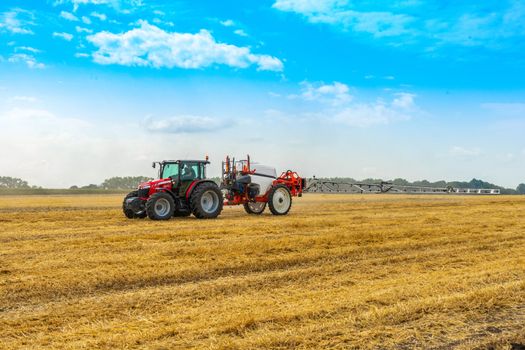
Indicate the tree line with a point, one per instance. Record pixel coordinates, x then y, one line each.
113 183
130 182
117 183
13 182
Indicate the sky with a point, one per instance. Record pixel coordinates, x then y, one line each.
91 89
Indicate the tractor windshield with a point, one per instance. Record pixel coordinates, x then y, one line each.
192 171
170 169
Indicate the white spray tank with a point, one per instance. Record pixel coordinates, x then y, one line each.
263 176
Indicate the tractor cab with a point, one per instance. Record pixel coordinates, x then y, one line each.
181 172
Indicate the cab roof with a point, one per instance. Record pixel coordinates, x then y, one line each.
185 161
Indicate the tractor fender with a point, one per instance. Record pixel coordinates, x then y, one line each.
194 184
167 191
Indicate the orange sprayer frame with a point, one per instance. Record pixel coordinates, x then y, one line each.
288 178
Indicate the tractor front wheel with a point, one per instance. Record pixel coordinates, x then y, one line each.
206 201
256 208
130 213
160 206
280 200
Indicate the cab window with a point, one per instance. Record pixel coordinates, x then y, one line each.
191 171
170 170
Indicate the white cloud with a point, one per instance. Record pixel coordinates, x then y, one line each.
68 15
86 20
65 36
458 151
240 32
151 46
162 22
402 107
404 100
184 124
337 105
228 23
472 27
369 114
334 94
117 4
337 12
83 30
17 21
483 29
309 6
159 13
29 60
81 55
27 48
100 16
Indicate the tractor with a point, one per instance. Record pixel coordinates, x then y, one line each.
257 187
181 190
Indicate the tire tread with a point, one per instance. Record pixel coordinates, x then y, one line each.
195 199
270 201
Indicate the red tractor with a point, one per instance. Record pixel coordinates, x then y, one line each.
181 190
254 188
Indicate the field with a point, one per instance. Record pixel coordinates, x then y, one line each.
341 271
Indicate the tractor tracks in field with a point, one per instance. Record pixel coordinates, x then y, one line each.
501 328
14 211
349 316
354 259
408 313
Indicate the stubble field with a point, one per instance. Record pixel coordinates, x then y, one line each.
340 271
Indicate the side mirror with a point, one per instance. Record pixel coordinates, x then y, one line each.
153 165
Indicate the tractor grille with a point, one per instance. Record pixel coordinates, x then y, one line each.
143 192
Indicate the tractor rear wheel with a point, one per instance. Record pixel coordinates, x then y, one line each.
160 206
130 214
255 207
280 200
206 201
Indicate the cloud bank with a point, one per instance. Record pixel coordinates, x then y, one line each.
339 106
150 46
184 124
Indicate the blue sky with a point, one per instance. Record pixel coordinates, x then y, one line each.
416 89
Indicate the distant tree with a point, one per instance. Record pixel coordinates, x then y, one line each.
126 182
424 183
475 183
439 184
74 187
12 182
520 189
90 187
400 182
